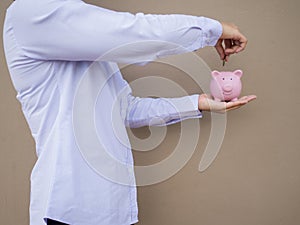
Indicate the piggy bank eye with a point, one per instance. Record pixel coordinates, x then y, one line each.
223 78
230 78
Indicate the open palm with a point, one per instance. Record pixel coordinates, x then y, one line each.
206 103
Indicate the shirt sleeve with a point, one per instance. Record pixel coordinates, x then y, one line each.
75 31
160 111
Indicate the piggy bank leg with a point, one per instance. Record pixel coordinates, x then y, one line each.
235 99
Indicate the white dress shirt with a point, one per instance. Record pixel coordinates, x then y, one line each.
50 47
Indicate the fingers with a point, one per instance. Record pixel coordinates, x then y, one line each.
234 41
235 105
242 43
248 98
228 106
231 47
239 103
220 49
228 46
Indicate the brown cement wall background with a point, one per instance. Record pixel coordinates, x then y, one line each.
254 180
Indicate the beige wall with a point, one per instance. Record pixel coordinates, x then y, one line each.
255 178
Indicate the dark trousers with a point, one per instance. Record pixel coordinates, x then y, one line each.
53 222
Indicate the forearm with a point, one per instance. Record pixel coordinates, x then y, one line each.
160 111
76 31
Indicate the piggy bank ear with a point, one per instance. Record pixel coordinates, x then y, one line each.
239 73
215 73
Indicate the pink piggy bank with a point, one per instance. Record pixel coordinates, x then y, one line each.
226 86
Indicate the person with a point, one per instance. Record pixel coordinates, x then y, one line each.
50 48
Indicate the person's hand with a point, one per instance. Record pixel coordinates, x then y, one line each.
234 41
206 103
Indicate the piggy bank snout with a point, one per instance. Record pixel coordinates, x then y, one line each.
227 87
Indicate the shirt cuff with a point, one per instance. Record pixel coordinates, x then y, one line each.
186 108
212 31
